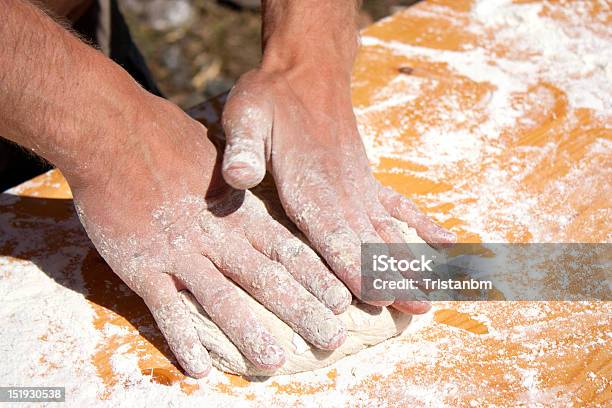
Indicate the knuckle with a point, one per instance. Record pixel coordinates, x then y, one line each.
269 275
290 249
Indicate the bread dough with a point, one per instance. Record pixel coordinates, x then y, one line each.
366 326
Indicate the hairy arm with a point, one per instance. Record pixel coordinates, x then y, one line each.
146 187
59 97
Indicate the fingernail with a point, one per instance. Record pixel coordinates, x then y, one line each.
244 169
244 161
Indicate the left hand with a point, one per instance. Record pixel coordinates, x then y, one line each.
299 123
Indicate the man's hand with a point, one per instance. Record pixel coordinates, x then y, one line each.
164 220
294 115
148 190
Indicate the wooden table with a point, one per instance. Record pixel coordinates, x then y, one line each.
463 116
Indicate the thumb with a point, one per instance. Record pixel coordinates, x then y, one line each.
247 127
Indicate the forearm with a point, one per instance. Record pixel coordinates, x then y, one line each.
318 34
58 97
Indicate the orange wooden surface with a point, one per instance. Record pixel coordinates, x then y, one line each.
507 353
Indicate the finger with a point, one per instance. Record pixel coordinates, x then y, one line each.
247 126
389 231
279 244
387 228
172 317
403 209
359 220
222 302
369 234
412 306
270 283
338 244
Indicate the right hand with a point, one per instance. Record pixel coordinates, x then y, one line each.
160 214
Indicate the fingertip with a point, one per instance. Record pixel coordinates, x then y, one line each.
332 335
196 361
338 339
271 358
242 174
444 238
450 238
243 164
337 298
198 375
445 235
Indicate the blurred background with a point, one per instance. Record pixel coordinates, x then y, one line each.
197 49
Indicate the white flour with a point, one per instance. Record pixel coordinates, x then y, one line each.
576 59
47 337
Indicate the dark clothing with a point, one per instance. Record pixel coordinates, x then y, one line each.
17 164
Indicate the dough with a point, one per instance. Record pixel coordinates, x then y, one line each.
366 326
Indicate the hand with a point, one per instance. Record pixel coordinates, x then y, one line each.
160 214
299 123
147 189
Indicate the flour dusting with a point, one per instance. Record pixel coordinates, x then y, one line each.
489 122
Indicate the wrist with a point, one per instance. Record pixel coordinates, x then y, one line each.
108 105
310 36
